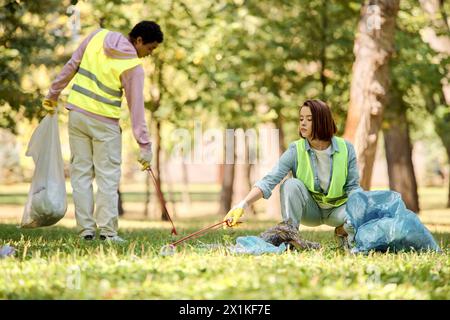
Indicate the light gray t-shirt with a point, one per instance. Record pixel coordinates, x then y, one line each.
323 170
323 167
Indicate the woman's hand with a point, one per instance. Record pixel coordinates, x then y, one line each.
235 214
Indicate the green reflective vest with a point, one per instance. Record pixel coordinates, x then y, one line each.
336 195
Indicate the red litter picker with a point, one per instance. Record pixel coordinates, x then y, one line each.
162 201
169 249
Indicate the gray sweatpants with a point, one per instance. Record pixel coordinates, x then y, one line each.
298 206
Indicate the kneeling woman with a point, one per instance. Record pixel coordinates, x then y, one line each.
324 173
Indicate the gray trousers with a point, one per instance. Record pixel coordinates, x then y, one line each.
298 207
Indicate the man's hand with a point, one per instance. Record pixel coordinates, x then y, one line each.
235 214
145 159
49 106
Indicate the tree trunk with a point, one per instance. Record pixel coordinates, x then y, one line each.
226 194
185 191
170 190
369 90
147 186
442 129
247 173
279 125
324 44
158 168
120 205
448 194
147 196
398 154
448 177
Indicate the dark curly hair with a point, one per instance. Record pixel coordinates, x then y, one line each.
149 31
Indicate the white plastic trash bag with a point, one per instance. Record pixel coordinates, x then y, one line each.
47 202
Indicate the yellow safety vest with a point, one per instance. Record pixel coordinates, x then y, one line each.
336 195
97 87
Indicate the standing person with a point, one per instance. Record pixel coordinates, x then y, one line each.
104 65
324 173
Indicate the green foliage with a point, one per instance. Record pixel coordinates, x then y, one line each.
226 63
417 72
269 55
29 32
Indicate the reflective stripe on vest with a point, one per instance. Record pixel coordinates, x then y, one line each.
97 87
336 195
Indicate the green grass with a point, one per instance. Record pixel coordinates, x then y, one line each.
50 263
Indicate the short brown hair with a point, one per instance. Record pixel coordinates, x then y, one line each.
323 125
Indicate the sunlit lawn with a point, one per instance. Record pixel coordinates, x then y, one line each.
52 263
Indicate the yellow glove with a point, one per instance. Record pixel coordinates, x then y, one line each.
49 106
145 159
235 214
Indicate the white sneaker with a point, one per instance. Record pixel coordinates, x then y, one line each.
115 239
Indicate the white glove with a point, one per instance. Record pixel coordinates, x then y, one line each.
145 158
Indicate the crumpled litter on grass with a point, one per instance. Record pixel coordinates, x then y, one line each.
286 233
7 251
276 239
255 245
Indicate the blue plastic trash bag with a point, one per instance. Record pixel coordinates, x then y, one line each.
7 251
255 245
382 222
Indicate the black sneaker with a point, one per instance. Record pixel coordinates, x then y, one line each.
88 237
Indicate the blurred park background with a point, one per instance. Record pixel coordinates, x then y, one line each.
382 66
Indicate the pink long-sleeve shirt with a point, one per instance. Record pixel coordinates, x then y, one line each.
116 46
